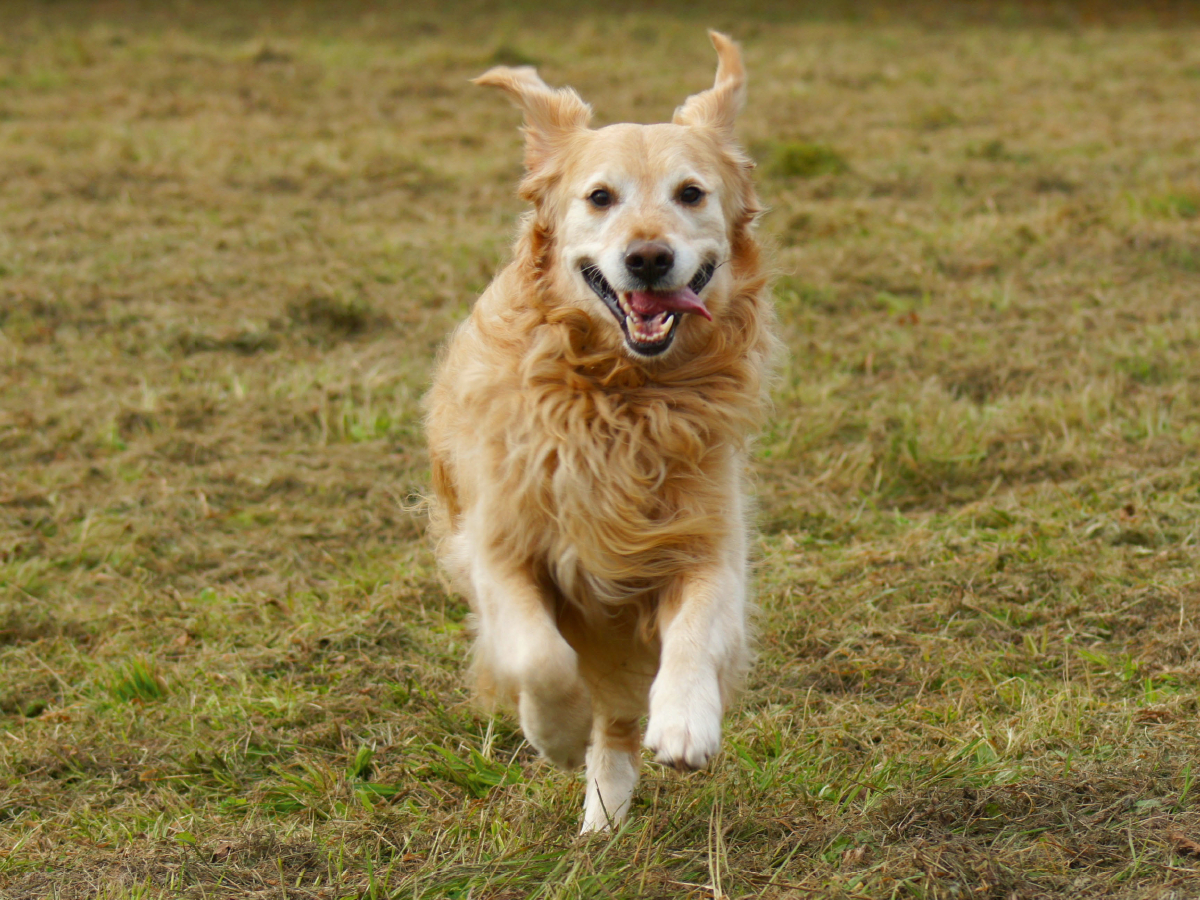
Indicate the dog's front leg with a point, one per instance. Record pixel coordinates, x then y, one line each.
520 650
703 629
612 771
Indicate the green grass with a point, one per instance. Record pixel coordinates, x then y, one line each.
233 242
797 159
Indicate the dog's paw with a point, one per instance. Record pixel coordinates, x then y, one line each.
683 735
558 725
597 824
564 750
612 774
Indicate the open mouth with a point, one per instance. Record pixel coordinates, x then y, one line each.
649 318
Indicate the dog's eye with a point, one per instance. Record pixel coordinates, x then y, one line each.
600 198
691 195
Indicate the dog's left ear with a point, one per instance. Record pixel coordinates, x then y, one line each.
551 115
717 108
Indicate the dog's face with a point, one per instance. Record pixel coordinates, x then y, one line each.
640 218
642 228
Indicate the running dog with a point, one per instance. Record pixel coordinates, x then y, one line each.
588 429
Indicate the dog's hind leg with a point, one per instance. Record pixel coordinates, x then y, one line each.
521 654
612 771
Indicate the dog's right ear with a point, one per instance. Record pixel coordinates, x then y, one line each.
551 114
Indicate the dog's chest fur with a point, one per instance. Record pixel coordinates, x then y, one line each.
608 478
631 482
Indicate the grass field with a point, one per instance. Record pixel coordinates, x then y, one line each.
232 238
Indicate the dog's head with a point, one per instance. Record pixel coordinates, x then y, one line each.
638 221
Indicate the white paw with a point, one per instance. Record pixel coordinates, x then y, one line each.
558 725
612 775
595 824
685 732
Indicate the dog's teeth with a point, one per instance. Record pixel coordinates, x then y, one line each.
644 330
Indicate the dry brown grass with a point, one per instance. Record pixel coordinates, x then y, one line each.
231 243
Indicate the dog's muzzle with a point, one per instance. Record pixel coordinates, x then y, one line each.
648 318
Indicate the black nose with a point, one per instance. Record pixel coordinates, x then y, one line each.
649 261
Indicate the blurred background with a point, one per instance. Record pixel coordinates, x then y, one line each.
232 238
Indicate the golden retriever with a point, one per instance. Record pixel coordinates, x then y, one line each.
588 428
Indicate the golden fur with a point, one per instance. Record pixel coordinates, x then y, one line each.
582 490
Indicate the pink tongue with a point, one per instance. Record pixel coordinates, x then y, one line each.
651 303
